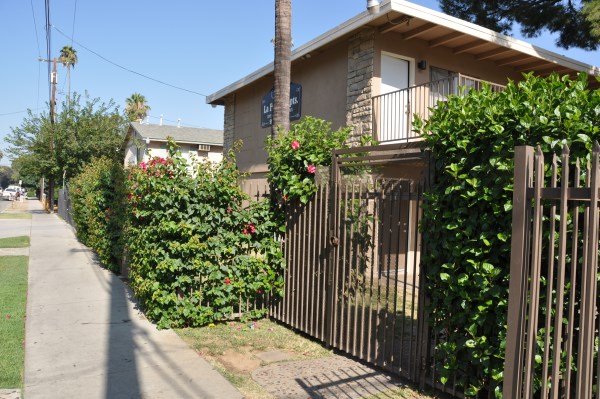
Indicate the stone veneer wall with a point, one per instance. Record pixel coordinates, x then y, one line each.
361 54
229 123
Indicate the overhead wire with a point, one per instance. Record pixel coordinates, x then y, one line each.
18 112
127 69
48 45
73 28
37 40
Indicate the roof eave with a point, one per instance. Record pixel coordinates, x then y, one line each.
416 11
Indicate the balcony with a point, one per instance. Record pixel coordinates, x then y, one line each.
394 113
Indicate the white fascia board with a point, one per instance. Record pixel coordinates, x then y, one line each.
327 37
480 32
423 13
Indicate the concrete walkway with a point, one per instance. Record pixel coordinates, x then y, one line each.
86 339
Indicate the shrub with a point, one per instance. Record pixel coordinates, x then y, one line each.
97 196
295 155
467 213
196 253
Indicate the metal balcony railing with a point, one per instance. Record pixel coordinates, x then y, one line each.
394 113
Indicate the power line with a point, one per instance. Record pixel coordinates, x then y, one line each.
18 112
73 28
127 69
37 40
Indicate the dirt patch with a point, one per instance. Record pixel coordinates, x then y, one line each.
239 361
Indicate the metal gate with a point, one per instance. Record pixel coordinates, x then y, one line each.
553 324
353 277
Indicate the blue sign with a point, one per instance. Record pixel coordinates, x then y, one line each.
266 112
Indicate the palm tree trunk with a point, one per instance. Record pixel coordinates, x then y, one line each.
282 65
69 78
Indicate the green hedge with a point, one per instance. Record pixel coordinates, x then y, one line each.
98 203
467 214
195 251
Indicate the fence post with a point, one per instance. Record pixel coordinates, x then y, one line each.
585 361
517 300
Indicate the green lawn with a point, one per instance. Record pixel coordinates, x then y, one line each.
14 242
14 215
13 295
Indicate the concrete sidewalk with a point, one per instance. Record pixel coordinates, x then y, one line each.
85 338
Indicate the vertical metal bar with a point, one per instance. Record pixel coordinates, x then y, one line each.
588 290
323 264
573 280
415 285
374 261
397 268
344 279
517 300
389 233
560 279
381 266
424 330
549 283
354 265
332 248
535 273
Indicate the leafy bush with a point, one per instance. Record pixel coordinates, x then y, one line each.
97 196
295 155
467 213
196 253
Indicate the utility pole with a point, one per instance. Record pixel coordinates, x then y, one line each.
52 127
51 178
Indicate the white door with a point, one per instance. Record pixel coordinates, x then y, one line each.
395 107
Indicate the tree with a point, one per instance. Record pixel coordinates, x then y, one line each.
136 107
68 57
592 14
282 66
6 176
81 133
575 24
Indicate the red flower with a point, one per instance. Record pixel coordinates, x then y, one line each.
311 169
295 145
249 229
285 197
228 209
227 281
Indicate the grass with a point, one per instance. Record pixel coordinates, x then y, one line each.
231 346
13 295
14 215
15 242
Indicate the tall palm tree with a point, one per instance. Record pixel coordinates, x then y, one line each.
136 107
282 65
68 57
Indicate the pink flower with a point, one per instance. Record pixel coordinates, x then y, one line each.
311 169
227 281
284 197
229 209
249 229
295 145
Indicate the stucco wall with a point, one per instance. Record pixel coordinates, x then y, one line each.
323 80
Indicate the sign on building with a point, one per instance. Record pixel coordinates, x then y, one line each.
266 112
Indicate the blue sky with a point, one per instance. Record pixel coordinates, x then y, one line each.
201 46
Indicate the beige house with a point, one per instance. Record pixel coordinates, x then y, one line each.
144 141
376 71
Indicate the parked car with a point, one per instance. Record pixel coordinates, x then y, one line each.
10 193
